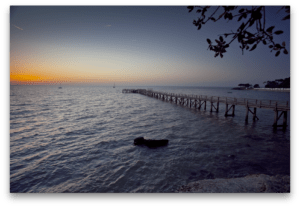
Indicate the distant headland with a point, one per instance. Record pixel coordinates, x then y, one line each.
276 85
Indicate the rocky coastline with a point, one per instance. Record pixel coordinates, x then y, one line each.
257 183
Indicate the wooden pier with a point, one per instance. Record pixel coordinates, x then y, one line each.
198 101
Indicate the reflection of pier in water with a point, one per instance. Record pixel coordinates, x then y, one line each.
197 101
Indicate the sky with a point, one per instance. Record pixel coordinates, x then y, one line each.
134 46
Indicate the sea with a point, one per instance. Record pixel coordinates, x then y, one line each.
79 139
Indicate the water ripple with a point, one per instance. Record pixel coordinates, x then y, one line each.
60 142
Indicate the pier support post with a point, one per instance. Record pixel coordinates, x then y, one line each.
275 118
226 110
247 112
284 118
254 114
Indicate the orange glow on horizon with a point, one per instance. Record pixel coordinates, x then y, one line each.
50 71
35 72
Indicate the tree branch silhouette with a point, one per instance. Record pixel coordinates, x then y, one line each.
246 39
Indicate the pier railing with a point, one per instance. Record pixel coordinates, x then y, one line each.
257 103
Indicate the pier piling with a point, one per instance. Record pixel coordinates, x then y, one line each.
247 112
254 114
276 118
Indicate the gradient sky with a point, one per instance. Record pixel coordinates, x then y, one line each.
144 46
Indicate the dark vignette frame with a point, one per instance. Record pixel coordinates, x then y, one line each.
151 199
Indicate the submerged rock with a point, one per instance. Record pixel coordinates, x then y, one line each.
258 183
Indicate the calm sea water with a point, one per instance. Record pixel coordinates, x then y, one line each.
80 139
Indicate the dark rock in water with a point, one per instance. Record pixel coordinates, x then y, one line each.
150 142
193 173
139 141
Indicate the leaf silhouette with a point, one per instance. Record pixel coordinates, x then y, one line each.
270 29
251 41
240 18
223 50
242 26
277 53
278 32
217 41
221 38
286 17
254 46
251 22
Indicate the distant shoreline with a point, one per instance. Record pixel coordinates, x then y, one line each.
273 89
